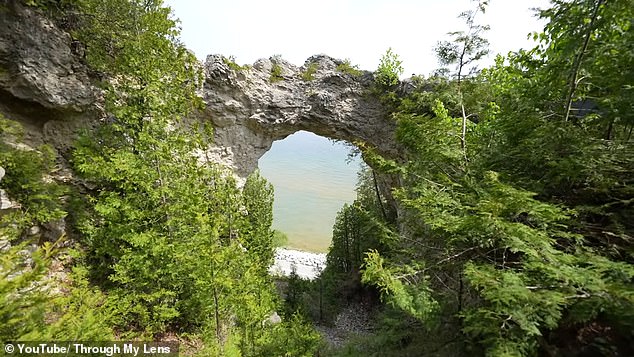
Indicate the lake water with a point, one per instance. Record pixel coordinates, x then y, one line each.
312 179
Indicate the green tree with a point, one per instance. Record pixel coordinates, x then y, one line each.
466 49
258 202
173 241
511 248
23 305
389 70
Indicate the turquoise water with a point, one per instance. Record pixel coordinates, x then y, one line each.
312 181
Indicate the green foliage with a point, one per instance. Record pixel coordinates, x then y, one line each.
22 302
294 337
24 180
358 229
526 241
397 334
276 73
58 10
173 242
309 73
389 70
258 202
154 202
29 311
280 239
77 315
466 47
505 247
231 62
413 299
348 68
294 295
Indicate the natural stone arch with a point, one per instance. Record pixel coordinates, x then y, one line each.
250 111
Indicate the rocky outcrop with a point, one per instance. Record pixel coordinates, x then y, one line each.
5 201
44 85
37 63
352 322
254 106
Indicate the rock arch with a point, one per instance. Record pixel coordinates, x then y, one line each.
250 111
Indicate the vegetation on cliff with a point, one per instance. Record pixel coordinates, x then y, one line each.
166 241
515 236
515 202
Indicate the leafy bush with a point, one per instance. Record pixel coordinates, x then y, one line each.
231 62
24 178
348 68
280 239
77 314
276 73
389 70
309 73
22 301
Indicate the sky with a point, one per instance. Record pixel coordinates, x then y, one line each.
358 30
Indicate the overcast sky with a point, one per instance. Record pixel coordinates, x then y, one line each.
360 30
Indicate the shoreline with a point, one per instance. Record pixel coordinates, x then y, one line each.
307 265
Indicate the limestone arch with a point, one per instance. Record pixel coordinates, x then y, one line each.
250 110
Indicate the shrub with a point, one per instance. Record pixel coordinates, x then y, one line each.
309 73
347 67
231 62
276 73
280 238
390 68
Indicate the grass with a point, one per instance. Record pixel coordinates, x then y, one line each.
309 73
231 62
276 73
347 67
280 239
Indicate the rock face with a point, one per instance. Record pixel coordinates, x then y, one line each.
36 61
45 87
44 84
250 110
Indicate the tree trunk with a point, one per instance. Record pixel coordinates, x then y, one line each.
378 195
577 64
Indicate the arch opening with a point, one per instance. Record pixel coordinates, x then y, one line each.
313 178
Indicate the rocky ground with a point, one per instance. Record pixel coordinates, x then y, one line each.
353 320
307 265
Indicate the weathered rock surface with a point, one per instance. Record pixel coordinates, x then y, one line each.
250 111
36 61
354 320
45 87
6 203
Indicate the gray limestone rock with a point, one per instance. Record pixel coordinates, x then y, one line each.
6 203
274 318
250 111
54 230
44 86
37 64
